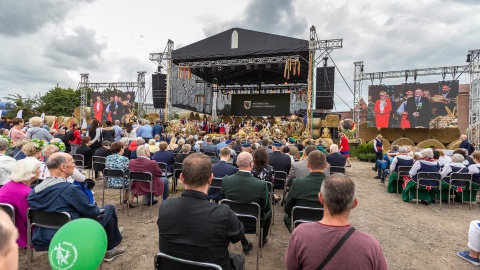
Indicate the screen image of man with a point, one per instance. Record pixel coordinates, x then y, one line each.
116 109
419 110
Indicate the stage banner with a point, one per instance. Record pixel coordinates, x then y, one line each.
413 105
112 105
261 104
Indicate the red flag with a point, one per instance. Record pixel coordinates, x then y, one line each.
55 124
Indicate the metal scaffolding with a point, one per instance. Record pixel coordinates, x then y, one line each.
474 101
164 61
357 95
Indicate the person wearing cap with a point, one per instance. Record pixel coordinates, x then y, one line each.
278 160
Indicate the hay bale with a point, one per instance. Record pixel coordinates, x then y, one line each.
316 133
50 119
391 134
86 112
445 135
227 119
191 116
417 135
454 145
430 142
386 144
238 120
403 141
69 121
367 134
196 117
316 123
331 121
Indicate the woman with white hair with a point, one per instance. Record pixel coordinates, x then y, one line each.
15 192
425 164
6 163
456 166
36 131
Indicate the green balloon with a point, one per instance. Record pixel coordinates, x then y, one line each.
79 244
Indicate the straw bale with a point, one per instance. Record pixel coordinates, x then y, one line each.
391 134
227 119
366 133
454 145
445 135
191 116
238 120
196 116
50 119
430 142
69 121
154 115
316 123
416 134
403 141
316 133
86 112
386 144
331 121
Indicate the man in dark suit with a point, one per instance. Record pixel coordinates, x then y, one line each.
237 146
186 148
116 109
304 191
278 160
450 96
87 152
299 168
419 110
335 159
243 186
220 170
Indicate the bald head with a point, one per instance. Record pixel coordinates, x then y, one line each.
8 242
60 165
244 161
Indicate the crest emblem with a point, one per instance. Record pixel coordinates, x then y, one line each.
64 255
247 104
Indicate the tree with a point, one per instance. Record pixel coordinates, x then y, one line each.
59 101
28 105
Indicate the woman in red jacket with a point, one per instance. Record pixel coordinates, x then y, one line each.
77 139
382 110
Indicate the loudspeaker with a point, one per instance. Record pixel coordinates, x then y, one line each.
325 88
159 90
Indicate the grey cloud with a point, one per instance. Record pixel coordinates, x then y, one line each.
28 16
80 49
271 16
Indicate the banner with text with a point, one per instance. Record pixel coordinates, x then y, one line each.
261 104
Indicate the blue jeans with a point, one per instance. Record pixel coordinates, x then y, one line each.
165 188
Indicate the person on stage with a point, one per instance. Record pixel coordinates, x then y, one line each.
116 107
227 128
419 110
205 125
404 123
221 128
382 110
98 109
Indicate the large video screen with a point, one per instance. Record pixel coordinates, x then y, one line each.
112 105
413 105
261 104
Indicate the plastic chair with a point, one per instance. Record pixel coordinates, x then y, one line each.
248 211
337 169
460 180
9 209
177 170
48 220
402 172
144 177
304 214
426 179
98 163
113 173
164 261
163 166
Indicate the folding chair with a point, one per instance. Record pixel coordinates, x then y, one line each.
425 179
402 172
177 170
79 161
144 177
113 173
212 156
304 214
9 209
163 166
216 183
48 220
98 163
337 169
271 191
280 179
175 155
248 211
164 261
460 180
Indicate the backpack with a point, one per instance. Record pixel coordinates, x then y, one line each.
70 136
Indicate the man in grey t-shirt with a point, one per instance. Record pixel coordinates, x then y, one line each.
312 242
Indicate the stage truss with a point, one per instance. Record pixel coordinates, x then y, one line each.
85 84
473 68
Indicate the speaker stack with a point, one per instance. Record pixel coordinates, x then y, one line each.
325 88
159 90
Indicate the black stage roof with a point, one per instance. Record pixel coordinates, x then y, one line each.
251 44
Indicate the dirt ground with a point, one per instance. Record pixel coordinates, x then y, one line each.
423 237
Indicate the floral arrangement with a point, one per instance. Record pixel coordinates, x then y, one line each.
348 127
59 144
40 144
8 139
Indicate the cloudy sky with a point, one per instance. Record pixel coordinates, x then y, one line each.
45 42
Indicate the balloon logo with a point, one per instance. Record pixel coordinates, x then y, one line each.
79 244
